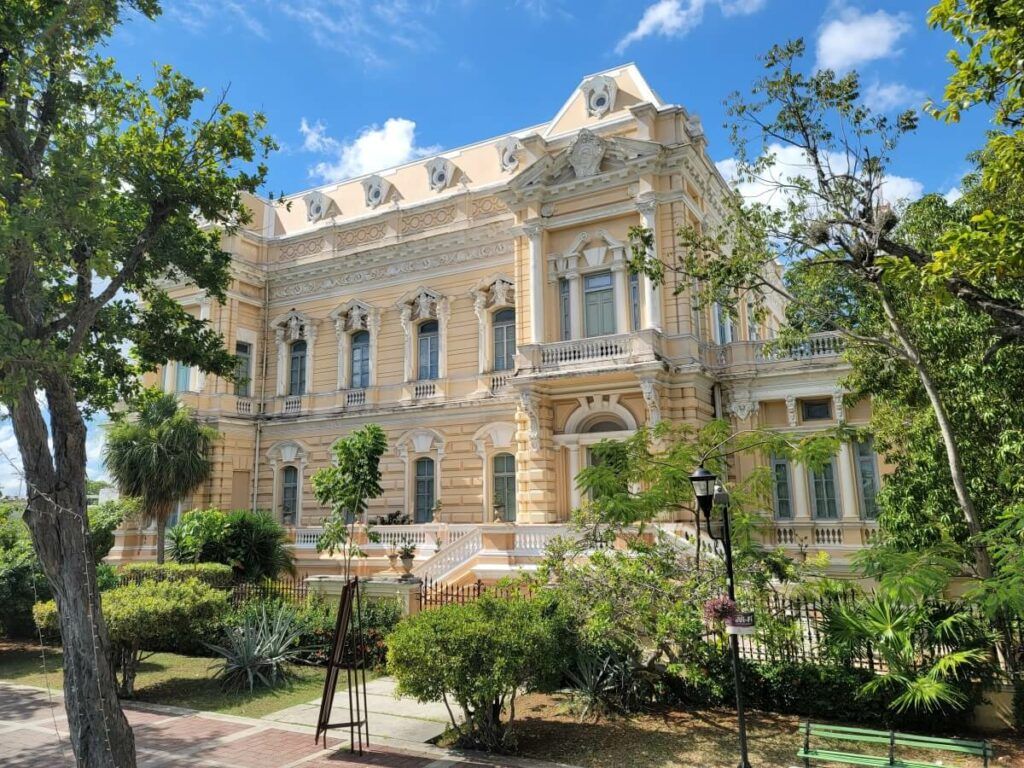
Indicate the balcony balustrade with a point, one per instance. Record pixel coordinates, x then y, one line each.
603 351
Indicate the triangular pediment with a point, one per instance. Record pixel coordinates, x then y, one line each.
589 155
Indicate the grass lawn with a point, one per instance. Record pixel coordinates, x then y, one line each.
168 678
681 739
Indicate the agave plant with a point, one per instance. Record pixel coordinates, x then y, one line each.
592 684
260 650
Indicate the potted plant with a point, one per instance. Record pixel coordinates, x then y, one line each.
406 553
393 561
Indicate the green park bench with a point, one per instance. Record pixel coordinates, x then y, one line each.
891 740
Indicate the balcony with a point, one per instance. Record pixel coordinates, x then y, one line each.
823 534
598 351
819 349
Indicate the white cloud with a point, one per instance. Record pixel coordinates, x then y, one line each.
953 194
855 38
198 15
675 18
790 162
374 149
884 97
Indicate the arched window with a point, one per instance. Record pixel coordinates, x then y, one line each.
424 491
360 360
505 485
605 425
289 495
428 350
504 339
297 368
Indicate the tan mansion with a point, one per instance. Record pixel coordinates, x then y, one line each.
477 305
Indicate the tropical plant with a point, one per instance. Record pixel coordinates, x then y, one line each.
347 486
113 188
150 616
590 676
160 455
260 650
254 544
934 656
479 657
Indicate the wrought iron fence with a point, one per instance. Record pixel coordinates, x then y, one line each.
434 594
286 590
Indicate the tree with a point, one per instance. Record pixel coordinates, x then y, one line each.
109 191
348 485
823 213
254 544
161 455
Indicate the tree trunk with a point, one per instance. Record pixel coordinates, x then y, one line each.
56 517
161 531
982 561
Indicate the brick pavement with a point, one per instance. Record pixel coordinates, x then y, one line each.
33 734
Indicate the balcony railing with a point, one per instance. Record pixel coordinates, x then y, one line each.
423 390
292 405
818 345
619 349
827 534
499 381
245 406
355 397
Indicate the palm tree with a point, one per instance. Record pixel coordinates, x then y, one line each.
160 454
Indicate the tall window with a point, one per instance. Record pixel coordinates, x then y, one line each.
781 498
243 368
360 377
424 492
182 374
297 368
634 301
867 473
289 495
723 324
753 332
504 339
598 304
505 485
823 482
563 309
428 350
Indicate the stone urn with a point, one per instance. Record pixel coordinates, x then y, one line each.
393 562
407 565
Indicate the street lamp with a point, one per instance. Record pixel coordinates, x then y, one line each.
709 495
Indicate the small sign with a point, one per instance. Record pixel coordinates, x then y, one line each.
740 624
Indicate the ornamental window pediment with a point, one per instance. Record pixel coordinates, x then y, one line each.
589 252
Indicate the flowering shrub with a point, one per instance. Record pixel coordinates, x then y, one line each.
719 609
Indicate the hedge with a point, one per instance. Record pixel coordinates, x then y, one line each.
214 574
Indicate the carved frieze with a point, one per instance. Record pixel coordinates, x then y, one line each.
360 236
298 250
436 217
487 206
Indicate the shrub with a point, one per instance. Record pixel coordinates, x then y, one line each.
150 616
21 577
255 545
259 650
103 521
213 574
480 655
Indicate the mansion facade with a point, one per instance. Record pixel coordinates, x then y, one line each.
477 305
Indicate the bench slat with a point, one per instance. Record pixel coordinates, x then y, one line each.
976 748
845 757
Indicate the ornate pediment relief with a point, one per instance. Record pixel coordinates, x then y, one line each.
318 206
375 190
587 157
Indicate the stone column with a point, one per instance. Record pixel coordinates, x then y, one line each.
847 486
444 313
344 351
282 362
574 469
575 305
480 308
373 326
537 281
310 345
406 318
800 492
621 291
651 308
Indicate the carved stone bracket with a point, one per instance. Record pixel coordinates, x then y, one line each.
653 401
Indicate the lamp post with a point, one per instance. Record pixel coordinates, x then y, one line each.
709 494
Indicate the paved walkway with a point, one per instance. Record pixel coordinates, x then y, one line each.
34 734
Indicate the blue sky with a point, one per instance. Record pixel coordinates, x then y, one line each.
350 86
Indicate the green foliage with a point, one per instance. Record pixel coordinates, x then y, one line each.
937 656
168 615
160 455
478 657
260 649
104 519
22 582
254 544
214 574
21 579
348 485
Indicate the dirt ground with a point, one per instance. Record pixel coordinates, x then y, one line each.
684 739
